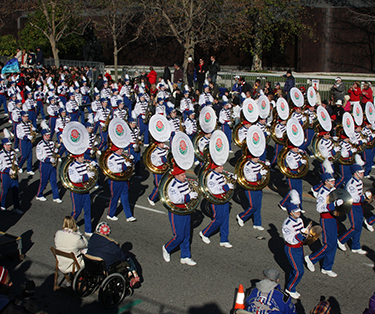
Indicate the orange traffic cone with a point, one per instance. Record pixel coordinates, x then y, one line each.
240 301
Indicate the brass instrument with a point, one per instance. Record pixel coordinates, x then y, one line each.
94 151
236 138
361 148
313 235
67 183
182 126
231 119
105 127
14 167
197 136
301 172
147 160
33 134
149 113
55 155
275 138
239 168
370 198
315 149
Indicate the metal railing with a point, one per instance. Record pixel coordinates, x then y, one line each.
100 66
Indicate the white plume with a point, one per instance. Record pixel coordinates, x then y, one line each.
327 166
359 160
294 197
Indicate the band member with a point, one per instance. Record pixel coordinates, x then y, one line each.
85 92
329 225
92 143
242 132
134 148
78 98
72 107
217 186
253 172
8 168
355 188
53 112
39 95
202 143
190 124
175 123
46 154
262 124
79 175
186 104
62 91
61 123
139 113
291 197
30 107
158 159
120 111
206 99
16 119
309 131
106 91
280 130
347 152
367 155
102 116
95 106
180 194
119 189
297 113
26 147
294 234
225 118
3 99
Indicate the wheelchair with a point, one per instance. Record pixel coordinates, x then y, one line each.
113 286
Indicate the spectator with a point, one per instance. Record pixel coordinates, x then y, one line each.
201 74
88 73
236 88
152 76
366 94
355 93
31 58
245 88
338 89
166 74
318 98
24 59
289 83
214 68
18 55
39 58
178 76
214 89
256 89
69 239
99 82
190 72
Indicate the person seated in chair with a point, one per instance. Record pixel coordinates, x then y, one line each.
102 246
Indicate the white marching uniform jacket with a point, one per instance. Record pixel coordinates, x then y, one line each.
191 126
23 130
159 156
134 135
114 100
205 99
216 183
102 115
39 95
367 132
326 148
96 105
263 128
105 93
292 230
252 171
202 143
179 192
62 90
44 151
78 172
6 160
16 115
85 90
346 149
140 109
280 130
225 116
61 123
71 106
355 188
357 139
120 113
53 110
78 98
186 104
242 133
322 205
175 124
117 163
299 116
125 90
29 104
293 160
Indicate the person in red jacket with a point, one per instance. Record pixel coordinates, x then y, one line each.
152 76
366 94
355 93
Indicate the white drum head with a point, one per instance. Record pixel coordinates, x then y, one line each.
219 147
159 128
296 96
250 110
282 108
183 150
294 131
263 107
207 119
358 114
370 112
348 124
256 141
311 96
119 132
75 138
324 118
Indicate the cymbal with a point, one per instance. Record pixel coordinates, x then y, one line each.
346 197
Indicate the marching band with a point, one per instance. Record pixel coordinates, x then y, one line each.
129 119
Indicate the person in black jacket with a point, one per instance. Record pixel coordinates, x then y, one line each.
214 68
167 74
201 71
100 245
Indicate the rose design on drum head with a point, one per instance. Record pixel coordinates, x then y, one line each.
357 111
311 94
159 126
256 138
75 135
282 106
119 130
207 117
250 108
348 122
294 129
323 116
219 145
370 110
263 104
296 95
183 147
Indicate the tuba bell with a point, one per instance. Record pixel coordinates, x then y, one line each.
147 160
318 155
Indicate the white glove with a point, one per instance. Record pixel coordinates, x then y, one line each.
367 193
231 186
52 160
96 143
338 148
267 163
364 140
131 157
304 118
338 202
268 133
301 151
90 174
94 163
193 195
99 152
11 172
335 138
30 137
354 150
128 164
91 151
56 150
263 172
303 161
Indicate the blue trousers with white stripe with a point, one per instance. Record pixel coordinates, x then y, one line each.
220 220
8 184
103 140
119 189
329 239
47 173
26 154
228 132
180 225
346 173
255 205
40 110
278 148
3 102
154 196
143 129
354 232
80 201
295 257
368 157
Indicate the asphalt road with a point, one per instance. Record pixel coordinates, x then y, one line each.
210 286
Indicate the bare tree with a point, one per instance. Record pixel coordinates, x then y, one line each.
61 18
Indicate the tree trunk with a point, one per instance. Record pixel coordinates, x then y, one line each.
115 58
189 48
257 63
55 52
257 55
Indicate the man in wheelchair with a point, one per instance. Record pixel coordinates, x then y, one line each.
102 246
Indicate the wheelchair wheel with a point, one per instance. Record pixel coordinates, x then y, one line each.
83 284
113 290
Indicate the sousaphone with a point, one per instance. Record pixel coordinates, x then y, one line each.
370 116
264 111
283 112
118 135
250 112
76 141
298 100
358 119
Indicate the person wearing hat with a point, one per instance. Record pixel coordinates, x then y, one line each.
186 104
262 124
367 95
206 99
355 188
106 91
85 92
355 93
180 194
115 96
102 246
139 114
201 71
328 223
236 88
203 142
297 113
294 234
90 153
190 124
217 186
125 94
120 111
367 155
26 147
242 131
117 164
61 123
29 106
280 130
268 297
79 174
289 83
53 112
338 89
78 100
134 148
214 68
310 112
347 152
72 107
16 118
8 168
3 99
46 154
190 72
95 106
103 116
226 120
158 160
39 96
253 172
62 91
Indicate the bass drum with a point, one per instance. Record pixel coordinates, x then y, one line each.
301 172
65 180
